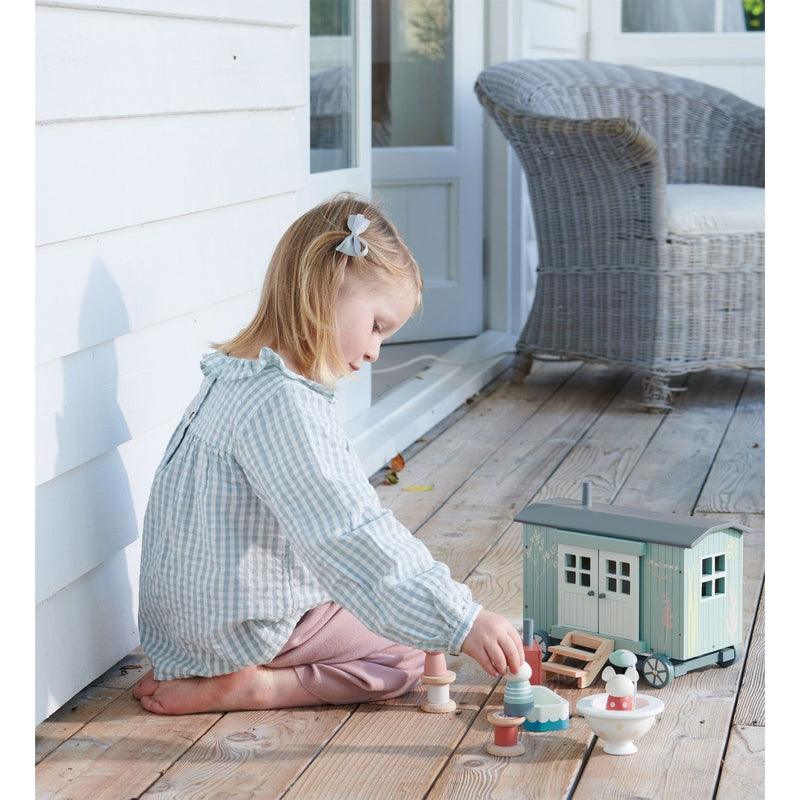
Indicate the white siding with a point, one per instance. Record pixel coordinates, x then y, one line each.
172 150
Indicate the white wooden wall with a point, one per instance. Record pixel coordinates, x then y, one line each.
171 149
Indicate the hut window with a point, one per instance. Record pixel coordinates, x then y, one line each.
712 583
577 570
617 575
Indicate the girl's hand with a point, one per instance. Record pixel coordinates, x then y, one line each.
494 643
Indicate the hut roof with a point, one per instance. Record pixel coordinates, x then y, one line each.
623 523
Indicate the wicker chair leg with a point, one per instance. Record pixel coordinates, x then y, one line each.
521 367
656 393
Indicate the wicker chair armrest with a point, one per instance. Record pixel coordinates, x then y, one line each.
597 186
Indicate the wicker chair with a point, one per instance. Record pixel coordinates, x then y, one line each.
645 260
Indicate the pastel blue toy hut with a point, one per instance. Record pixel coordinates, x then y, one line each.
666 587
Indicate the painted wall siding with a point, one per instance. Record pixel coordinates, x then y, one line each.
277 13
82 283
136 170
166 171
161 64
663 599
540 562
716 622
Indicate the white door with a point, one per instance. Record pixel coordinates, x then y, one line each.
618 595
598 591
712 41
577 587
427 161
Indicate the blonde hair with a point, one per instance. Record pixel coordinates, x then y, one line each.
296 313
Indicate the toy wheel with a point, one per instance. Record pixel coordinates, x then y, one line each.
658 671
726 662
543 640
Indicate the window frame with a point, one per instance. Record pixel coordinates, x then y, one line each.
715 577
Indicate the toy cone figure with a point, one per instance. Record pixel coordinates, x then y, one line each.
437 679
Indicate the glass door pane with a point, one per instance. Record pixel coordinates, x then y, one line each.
333 85
692 16
412 73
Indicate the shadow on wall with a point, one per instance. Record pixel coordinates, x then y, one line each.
85 515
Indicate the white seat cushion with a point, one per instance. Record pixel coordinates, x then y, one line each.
695 208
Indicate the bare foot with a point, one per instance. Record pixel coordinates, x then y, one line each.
250 689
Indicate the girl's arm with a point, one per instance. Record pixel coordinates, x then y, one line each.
299 463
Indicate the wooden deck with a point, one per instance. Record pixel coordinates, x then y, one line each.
568 423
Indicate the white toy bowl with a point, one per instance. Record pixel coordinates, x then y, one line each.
620 729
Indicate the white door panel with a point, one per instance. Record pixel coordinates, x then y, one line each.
577 587
618 595
427 153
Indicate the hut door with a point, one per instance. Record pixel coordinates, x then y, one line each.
577 587
598 591
618 595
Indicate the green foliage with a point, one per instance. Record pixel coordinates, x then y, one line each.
754 14
431 26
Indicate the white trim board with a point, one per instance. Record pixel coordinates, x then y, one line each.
404 414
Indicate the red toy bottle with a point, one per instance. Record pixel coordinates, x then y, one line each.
533 653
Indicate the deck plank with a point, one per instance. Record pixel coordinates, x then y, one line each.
750 708
251 754
462 448
743 773
677 462
393 750
736 480
89 703
608 452
119 753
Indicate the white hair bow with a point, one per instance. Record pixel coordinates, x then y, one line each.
352 245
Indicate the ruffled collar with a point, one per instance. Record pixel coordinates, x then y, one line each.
218 365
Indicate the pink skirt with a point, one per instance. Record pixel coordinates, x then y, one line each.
338 659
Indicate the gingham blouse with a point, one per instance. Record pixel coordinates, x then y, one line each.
260 511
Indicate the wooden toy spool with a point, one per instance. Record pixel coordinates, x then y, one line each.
506 735
437 679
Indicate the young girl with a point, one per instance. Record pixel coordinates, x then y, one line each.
271 576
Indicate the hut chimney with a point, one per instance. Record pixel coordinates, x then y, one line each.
587 494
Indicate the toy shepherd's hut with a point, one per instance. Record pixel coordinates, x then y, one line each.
666 587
